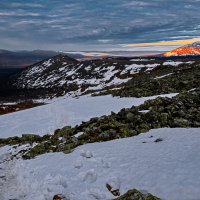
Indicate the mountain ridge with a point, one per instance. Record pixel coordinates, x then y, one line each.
61 75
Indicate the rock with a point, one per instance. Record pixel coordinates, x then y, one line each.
181 122
37 150
158 140
114 192
196 124
181 113
104 136
143 128
133 132
164 118
57 197
30 137
66 132
113 185
56 132
137 195
130 116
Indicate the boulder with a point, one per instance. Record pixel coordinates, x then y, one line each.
137 195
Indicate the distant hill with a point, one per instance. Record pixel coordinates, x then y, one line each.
11 59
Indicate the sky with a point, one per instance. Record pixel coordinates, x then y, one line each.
75 25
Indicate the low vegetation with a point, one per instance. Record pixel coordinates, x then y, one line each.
182 110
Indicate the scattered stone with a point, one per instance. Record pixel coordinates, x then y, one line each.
113 185
130 116
58 197
181 122
158 140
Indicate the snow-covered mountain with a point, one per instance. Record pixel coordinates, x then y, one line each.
65 74
191 49
63 71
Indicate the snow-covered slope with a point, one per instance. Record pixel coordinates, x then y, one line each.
168 169
61 112
60 71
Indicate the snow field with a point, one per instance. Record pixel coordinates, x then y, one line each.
168 169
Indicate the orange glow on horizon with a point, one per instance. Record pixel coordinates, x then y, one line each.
95 54
166 43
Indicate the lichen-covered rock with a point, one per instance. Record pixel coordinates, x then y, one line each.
181 122
66 132
164 118
30 137
137 195
37 150
130 116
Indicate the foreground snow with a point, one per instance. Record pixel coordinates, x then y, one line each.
168 169
61 112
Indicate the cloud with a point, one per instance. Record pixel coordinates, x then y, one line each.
24 4
97 24
137 3
105 41
18 14
165 43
